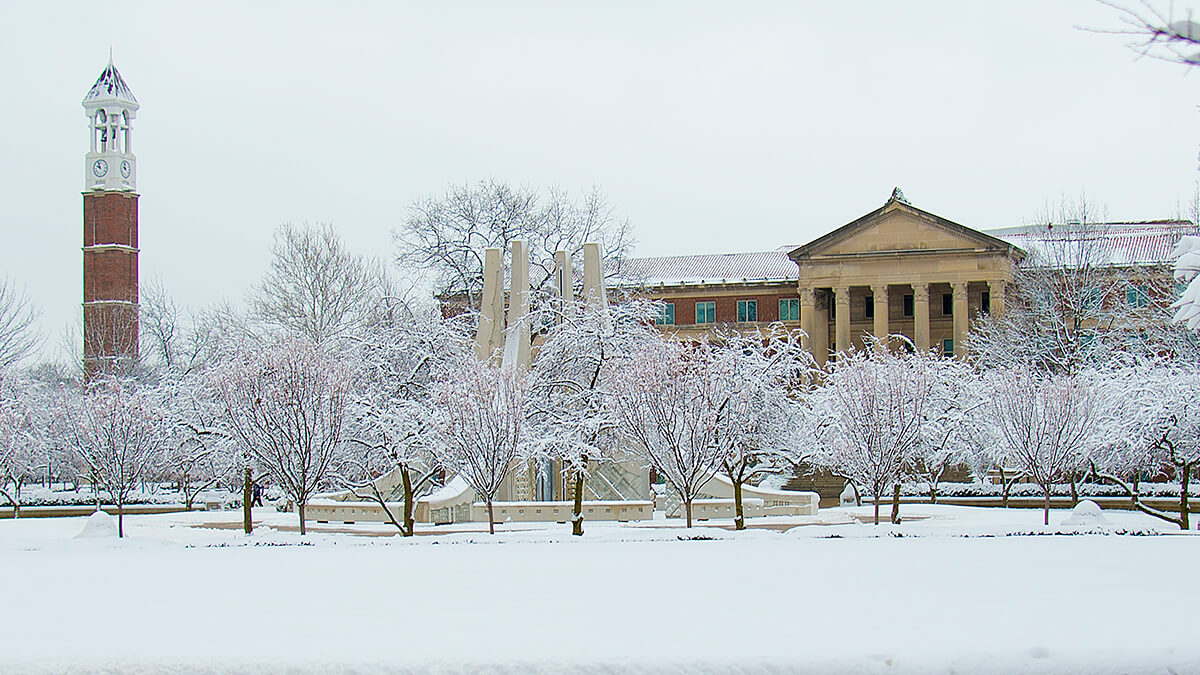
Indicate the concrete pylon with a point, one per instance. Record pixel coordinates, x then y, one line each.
516 340
564 278
490 332
593 275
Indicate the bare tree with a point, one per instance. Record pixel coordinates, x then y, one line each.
1044 422
754 374
478 429
447 235
1069 307
18 318
118 430
1158 34
22 437
569 419
1152 422
873 405
398 360
314 287
665 400
285 402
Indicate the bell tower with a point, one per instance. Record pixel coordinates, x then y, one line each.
110 228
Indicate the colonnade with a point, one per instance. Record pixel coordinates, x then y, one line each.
816 301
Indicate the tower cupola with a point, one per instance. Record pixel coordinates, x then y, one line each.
111 108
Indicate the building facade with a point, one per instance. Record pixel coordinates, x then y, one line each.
896 270
110 227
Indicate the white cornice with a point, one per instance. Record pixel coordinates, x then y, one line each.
125 303
99 248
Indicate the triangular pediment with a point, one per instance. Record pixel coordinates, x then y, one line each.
899 227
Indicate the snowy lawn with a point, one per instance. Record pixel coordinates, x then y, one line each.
828 596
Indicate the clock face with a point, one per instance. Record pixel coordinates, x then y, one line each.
126 169
99 168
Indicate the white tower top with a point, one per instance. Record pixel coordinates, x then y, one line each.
111 108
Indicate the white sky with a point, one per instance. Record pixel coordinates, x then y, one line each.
710 126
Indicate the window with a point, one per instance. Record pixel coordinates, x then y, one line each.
666 314
908 305
1180 287
1137 296
947 304
985 302
789 309
706 312
1094 299
747 310
869 307
947 347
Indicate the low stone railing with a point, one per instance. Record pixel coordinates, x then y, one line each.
560 512
330 511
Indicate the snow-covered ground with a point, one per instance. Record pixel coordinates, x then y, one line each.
823 594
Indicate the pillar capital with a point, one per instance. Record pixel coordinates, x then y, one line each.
920 292
880 291
960 289
808 296
842 296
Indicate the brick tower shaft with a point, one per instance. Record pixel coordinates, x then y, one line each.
110 229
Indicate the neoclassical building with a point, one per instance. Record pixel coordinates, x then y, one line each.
898 269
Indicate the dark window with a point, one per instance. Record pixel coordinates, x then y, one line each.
908 305
789 309
947 347
947 304
747 310
985 303
869 307
666 314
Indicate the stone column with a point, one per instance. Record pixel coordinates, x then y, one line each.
593 275
921 316
808 317
518 309
997 289
820 336
880 293
841 318
491 307
960 315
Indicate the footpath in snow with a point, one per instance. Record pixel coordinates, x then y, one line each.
946 592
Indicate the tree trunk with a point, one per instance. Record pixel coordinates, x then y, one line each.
577 507
247 497
409 528
121 519
896 503
739 521
491 518
1185 478
1003 488
876 501
1046 504
300 507
687 509
932 493
1074 491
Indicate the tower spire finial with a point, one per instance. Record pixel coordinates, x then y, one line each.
110 54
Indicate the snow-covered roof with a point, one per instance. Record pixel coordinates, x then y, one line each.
110 86
1147 242
679 270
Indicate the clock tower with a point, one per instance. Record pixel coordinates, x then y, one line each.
110 228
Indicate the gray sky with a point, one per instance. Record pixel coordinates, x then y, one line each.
711 126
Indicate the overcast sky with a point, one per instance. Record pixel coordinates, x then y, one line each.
712 127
